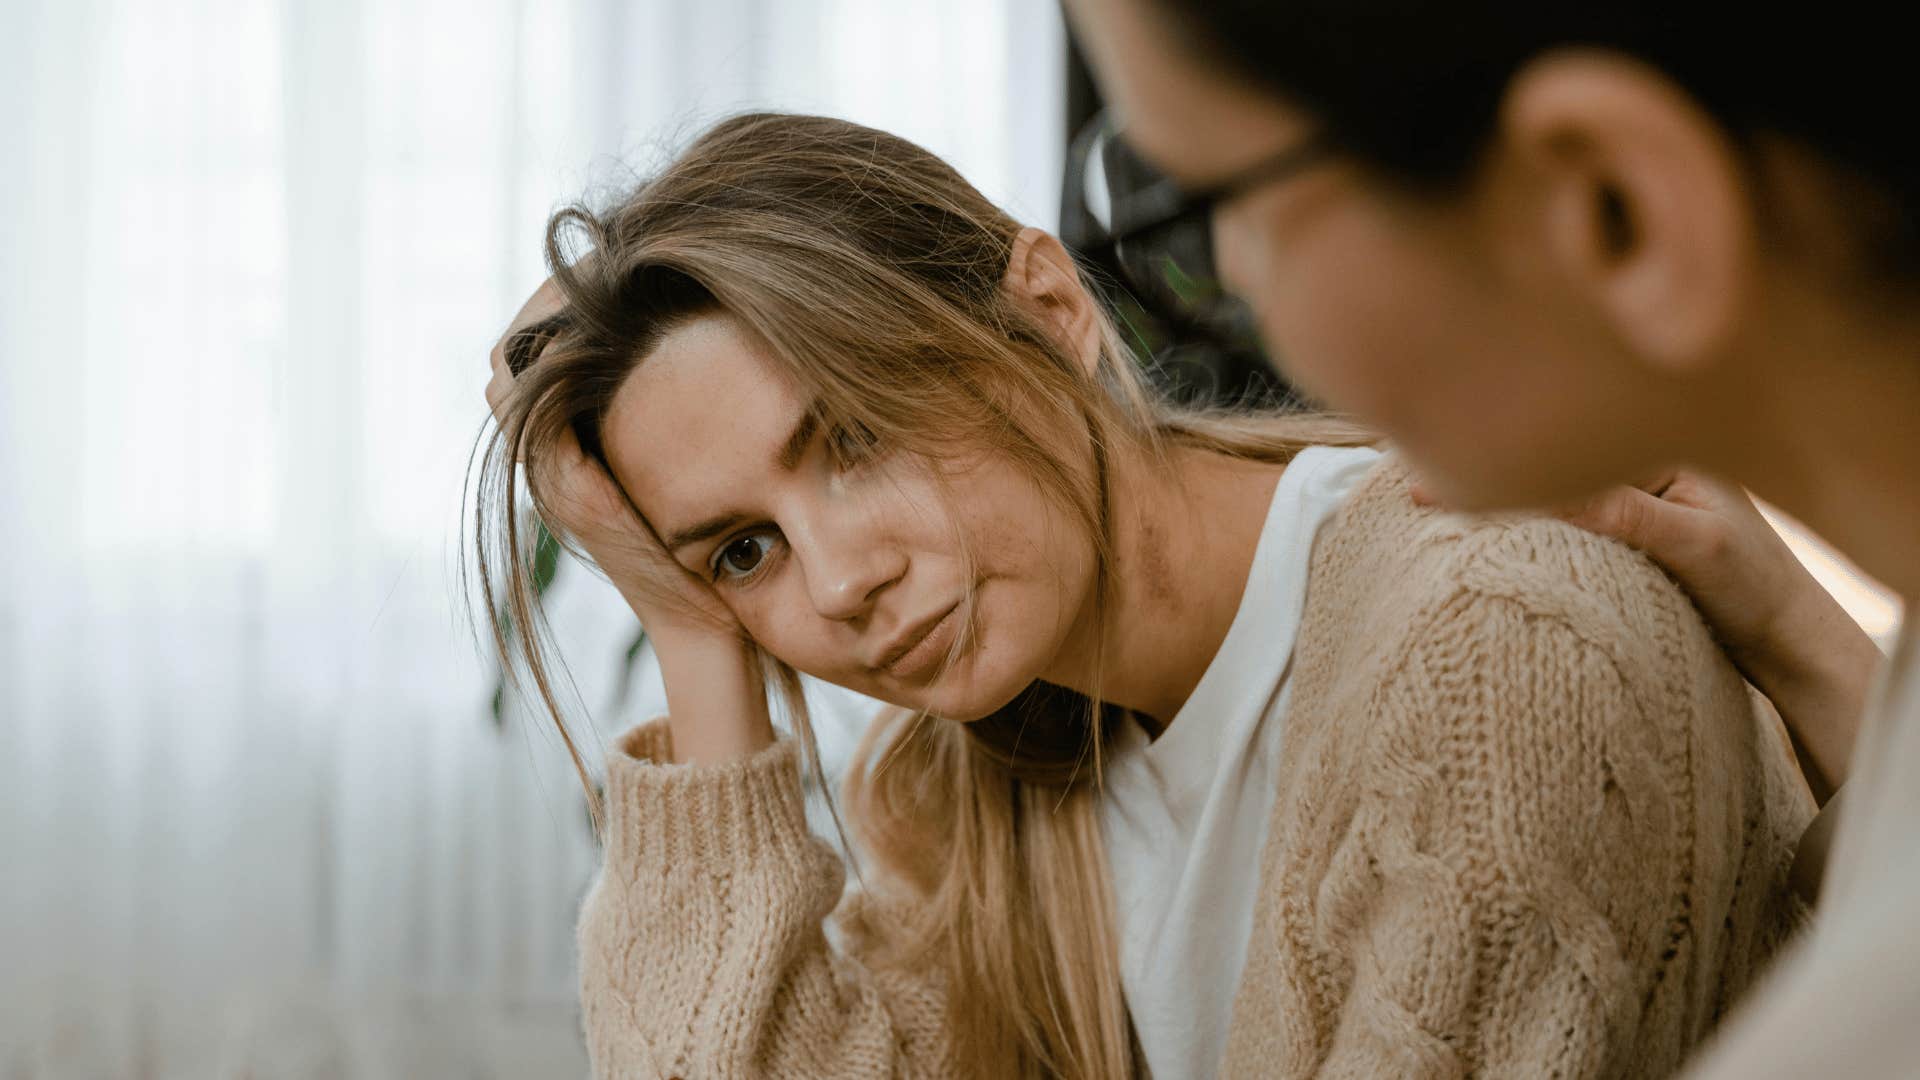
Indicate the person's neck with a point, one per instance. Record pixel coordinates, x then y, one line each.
1835 442
1183 538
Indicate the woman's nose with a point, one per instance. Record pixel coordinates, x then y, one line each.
847 573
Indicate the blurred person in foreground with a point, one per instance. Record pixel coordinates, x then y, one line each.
1547 248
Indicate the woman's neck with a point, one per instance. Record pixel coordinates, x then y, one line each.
1184 538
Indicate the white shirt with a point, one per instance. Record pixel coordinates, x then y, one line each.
1847 1001
1185 816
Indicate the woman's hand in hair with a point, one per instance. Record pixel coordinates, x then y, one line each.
715 694
1785 632
585 504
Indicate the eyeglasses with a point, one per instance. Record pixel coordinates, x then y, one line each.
1160 235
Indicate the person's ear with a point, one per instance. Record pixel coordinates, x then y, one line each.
1042 277
1646 208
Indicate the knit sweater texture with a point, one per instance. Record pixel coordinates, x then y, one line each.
1532 824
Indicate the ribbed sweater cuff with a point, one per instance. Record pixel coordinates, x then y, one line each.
671 820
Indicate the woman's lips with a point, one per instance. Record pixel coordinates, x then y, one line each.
924 656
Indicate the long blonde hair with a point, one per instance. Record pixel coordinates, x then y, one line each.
875 273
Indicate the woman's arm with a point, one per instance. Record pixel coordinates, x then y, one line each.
702 948
1520 884
1785 632
1788 635
1483 947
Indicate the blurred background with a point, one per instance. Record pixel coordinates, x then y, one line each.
256 817
259 815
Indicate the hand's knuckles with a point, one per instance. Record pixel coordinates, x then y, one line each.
1713 541
1637 515
1616 514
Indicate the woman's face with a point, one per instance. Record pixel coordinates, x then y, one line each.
1445 324
853 571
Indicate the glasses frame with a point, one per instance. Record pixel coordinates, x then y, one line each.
1205 349
1166 204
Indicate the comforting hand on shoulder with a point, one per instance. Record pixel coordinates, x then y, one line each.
1783 630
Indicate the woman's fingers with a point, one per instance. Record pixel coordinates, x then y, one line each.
1676 535
1680 518
1777 624
1709 536
545 302
588 506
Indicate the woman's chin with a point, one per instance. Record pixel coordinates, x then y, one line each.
965 693
966 712
965 697
960 696
939 701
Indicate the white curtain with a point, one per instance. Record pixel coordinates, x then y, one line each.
255 819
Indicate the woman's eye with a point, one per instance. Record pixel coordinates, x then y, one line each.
741 557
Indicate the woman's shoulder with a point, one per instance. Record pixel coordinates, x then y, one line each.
1390 565
1477 644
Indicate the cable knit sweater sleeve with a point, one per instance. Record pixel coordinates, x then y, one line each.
1533 825
702 946
1546 871
1500 923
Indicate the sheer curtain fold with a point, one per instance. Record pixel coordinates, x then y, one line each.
255 818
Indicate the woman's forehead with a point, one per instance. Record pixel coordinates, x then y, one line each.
708 409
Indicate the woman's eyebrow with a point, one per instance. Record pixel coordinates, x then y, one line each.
797 440
791 450
706 530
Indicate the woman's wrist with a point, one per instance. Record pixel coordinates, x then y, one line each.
716 696
1816 666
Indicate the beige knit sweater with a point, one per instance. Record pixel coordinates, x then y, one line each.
1532 826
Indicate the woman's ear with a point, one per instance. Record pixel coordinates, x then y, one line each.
1042 277
1644 205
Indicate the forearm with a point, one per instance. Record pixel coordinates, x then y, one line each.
1816 673
716 698
701 947
716 692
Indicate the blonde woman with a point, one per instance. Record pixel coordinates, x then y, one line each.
1203 728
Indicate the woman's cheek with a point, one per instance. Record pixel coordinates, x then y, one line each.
770 624
779 617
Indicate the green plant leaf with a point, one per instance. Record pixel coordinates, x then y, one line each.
546 560
1143 330
624 687
1182 283
546 567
